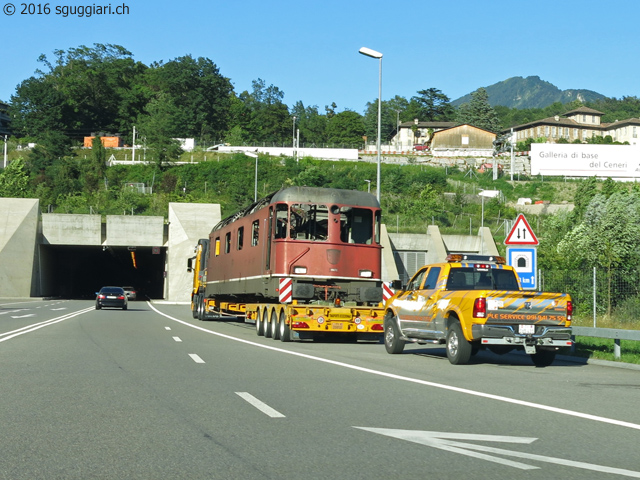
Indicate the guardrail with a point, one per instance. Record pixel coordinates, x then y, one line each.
611 333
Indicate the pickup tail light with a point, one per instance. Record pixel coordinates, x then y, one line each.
480 307
569 310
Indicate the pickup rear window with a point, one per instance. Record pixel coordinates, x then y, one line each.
467 278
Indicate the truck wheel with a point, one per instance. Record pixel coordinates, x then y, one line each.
275 331
458 347
201 309
259 325
392 341
266 323
285 331
543 358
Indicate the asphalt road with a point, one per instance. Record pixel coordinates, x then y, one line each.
151 393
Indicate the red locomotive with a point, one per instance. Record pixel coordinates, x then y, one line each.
298 246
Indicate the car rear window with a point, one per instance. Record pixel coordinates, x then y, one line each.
112 290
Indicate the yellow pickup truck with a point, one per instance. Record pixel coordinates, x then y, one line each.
475 301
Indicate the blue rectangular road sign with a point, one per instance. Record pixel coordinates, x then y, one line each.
525 262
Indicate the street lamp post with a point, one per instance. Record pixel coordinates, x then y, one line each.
293 138
368 186
373 54
255 189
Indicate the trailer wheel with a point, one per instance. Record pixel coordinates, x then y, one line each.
275 331
285 331
266 323
458 347
259 325
543 358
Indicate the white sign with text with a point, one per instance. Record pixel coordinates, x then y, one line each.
578 160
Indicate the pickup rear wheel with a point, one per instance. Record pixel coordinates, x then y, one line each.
392 341
543 358
458 348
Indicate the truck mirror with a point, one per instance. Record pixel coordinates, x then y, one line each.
397 285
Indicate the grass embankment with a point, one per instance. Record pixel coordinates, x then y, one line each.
603 348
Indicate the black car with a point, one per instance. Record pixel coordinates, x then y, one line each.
111 297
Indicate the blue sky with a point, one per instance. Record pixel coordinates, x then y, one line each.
309 50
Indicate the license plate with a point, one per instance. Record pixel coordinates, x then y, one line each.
337 325
110 296
526 329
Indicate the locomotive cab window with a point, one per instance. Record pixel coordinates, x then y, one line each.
227 242
309 222
356 225
240 239
255 233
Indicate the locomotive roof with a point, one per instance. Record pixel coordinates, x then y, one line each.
319 195
325 196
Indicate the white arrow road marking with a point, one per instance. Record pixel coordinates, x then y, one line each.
13 311
263 407
447 442
24 316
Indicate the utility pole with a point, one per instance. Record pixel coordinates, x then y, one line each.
5 150
133 145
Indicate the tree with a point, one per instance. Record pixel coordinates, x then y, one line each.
269 119
84 90
345 128
199 94
158 129
311 124
479 113
14 180
433 105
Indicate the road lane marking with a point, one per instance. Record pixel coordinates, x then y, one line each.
167 328
177 339
46 323
466 391
24 316
263 407
196 358
450 442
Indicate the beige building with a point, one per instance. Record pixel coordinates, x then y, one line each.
579 124
462 141
417 134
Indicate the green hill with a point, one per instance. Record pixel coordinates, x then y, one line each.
530 92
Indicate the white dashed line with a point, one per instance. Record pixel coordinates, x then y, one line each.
177 339
263 407
196 358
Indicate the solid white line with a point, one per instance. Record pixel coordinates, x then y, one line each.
196 358
562 411
263 407
46 323
177 339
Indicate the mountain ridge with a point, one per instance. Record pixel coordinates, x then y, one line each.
530 92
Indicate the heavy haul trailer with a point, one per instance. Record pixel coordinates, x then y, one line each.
300 262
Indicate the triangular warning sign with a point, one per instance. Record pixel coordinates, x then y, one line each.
521 233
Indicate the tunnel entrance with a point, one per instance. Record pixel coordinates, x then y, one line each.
77 271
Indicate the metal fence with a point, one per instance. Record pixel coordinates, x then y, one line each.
604 297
